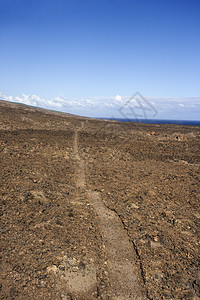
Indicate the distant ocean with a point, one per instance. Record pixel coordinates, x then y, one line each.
154 121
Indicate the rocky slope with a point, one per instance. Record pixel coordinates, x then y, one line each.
94 209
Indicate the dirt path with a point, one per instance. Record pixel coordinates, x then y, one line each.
80 183
124 272
125 277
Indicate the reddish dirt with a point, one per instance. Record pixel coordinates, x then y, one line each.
94 209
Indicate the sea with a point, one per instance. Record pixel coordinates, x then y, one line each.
158 121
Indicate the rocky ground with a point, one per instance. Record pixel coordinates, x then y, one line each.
94 209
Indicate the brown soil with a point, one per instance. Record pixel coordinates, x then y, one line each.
94 209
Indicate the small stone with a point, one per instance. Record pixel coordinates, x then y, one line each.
42 283
61 268
81 265
133 205
71 261
52 269
13 292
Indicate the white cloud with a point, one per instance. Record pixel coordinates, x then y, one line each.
173 108
118 97
90 102
109 105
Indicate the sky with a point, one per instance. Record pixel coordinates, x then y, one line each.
90 56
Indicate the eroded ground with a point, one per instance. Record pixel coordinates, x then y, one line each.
97 210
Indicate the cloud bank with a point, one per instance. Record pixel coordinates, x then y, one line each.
117 106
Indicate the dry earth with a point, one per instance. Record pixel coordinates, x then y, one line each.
94 209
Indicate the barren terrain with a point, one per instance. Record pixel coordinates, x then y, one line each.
95 209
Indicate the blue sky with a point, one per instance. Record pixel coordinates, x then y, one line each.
80 50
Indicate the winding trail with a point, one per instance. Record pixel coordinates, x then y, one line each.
125 278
